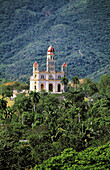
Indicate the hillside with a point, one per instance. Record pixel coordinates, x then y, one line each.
77 29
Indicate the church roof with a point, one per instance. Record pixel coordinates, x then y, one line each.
64 65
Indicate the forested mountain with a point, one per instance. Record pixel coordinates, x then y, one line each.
77 29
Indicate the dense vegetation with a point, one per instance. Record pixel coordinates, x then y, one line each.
78 30
91 158
6 89
69 129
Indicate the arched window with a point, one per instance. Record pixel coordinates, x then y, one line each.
59 88
35 75
42 76
42 86
50 77
59 77
51 87
36 68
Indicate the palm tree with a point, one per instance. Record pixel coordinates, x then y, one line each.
8 113
3 103
19 110
64 81
34 98
79 114
75 81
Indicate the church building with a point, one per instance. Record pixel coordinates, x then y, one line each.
48 80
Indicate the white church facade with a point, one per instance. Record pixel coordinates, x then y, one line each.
48 80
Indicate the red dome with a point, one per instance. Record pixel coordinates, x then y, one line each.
51 49
64 65
35 64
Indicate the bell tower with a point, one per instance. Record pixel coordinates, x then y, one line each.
35 69
50 60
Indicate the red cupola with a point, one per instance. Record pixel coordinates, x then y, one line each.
64 65
35 64
51 49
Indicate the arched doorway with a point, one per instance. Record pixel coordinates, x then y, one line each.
59 88
51 87
42 86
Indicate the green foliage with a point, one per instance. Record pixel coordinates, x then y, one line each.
7 91
2 80
14 154
70 159
104 84
62 132
75 81
74 97
3 103
20 86
34 98
64 81
89 87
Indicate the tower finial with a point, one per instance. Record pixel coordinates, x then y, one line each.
50 44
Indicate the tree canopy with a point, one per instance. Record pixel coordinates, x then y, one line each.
68 130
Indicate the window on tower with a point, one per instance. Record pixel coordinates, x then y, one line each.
50 77
42 76
59 77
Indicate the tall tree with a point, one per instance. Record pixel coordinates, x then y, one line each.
34 98
104 84
7 91
64 81
9 112
89 87
22 104
75 81
3 103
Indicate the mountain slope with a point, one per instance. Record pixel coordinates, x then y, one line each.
77 29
